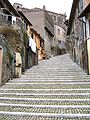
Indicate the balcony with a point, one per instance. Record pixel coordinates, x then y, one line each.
10 23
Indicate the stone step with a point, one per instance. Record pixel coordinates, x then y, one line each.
44 109
60 71
54 77
48 81
46 96
38 91
42 116
51 76
45 106
47 86
39 101
49 91
55 73
43 99
46 91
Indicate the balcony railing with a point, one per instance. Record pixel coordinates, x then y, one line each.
11 21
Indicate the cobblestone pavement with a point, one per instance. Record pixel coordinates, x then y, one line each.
56 89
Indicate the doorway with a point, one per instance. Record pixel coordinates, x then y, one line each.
1 57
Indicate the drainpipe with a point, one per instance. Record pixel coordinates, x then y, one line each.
84 23
86 46
1 57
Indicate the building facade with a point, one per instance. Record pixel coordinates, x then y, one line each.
85 15
51 26
15 53
9 35
59 41
39 44
78 34
43 24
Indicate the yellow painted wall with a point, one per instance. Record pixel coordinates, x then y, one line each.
37 42
29 31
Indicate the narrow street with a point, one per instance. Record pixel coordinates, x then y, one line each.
55 89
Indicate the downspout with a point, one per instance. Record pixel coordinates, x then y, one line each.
86 46
1 60
84 23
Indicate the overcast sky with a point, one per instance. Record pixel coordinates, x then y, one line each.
58 6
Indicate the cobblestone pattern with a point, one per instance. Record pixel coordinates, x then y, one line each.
4 117
66 83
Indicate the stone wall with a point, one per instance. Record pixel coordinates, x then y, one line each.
8 60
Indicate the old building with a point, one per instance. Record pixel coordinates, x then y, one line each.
85 15
9 40
34 38
15 53
42 23
59 41
50 25
78 33
26 52
74 31
39 44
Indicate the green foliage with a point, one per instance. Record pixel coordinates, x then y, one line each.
25 38
54 48
11 58
22 51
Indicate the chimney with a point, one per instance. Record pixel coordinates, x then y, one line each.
17 6
44 8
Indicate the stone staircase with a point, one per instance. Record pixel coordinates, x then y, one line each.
56 89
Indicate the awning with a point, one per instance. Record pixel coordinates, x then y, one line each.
85 11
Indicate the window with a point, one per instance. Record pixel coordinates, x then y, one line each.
25 26
54 18
9 18
41 44
17 6
58 31
32 35
4 18
89 27
59 42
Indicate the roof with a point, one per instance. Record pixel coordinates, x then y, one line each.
1 4
72 15
7 4
42 10
18 3
33 30
25 18
85 11
56 13
6 11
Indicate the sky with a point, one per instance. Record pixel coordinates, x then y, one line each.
58 6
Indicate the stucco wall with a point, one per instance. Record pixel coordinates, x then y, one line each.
48 43
37 19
